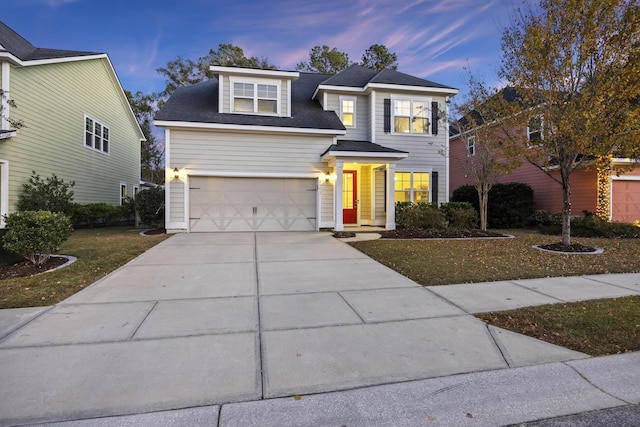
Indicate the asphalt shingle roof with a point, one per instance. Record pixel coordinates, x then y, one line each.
360 146
359 76
16 45
199 103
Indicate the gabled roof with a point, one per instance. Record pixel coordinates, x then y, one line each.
361 149
14 44
359 76
198 103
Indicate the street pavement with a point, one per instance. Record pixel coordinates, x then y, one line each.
260 329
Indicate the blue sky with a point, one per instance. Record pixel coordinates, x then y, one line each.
434 39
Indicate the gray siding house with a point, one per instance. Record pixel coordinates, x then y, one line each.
264 150
78 123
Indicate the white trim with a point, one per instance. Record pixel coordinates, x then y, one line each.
225 174
6 86
289 113
253 128
4 190
254 72
221 96
372 112
361 155
122 184
167 180
29 63
447 165
397 87
625 178
341 99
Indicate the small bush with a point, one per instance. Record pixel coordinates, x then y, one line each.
149 205
51 194
460 215
35 235
592 226
96 213
419 215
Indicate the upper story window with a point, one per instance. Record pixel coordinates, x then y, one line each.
471 146
96 135
257 98
348 111
411 116
535 128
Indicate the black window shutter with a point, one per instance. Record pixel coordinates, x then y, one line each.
434 118
434 186
387 115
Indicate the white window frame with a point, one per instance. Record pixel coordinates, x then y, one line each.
540 131
412 190
411 99
342 112
255 83
102 138
471 146
123 198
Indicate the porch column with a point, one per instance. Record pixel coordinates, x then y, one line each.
337 196
391 197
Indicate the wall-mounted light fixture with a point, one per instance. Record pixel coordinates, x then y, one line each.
176 173
327 177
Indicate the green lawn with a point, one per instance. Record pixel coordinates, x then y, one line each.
99 252
444 262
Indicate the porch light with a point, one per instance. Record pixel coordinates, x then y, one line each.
176 173
327 177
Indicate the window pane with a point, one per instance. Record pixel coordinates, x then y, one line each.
105 146
421 196
267 106
268 91
88 125
88 139
347 119
421 181
243 104
243 89
420 125
348 106
420 109
402 108
402 181
347 191
105 133
401 124
402 196
98 143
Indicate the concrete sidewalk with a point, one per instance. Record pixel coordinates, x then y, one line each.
218 323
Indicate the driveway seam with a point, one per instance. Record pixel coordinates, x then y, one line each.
155 304
25 323
595 385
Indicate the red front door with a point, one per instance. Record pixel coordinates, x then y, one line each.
349 197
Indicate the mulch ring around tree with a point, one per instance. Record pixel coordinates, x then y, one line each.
415 233
25 268
573 248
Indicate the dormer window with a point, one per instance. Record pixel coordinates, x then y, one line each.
255 98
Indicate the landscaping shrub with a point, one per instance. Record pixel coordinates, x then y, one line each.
51 194
510 205
35 235
592 226
96 213
460 215
149 205
419 215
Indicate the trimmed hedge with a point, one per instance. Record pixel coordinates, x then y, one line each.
460 215
35 235
510 205
419 215
592 226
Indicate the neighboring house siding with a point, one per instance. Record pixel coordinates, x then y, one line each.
426 152
547 192
52 101
247 154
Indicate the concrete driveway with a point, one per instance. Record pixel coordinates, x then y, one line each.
205 319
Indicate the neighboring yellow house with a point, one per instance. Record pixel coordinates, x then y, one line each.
78 123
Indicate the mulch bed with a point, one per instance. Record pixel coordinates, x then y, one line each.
406 233
576 247
25 268
154 232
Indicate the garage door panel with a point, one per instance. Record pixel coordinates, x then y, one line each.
252 204
625 201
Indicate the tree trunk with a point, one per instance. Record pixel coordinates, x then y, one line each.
483 199
566 211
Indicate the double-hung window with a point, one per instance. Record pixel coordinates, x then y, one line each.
411 116
471 146
96 135
535 128
411 186
123 194
260 98
348 111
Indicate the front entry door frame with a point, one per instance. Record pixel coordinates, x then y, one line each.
350 197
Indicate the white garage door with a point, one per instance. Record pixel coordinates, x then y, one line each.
252 204
625 203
